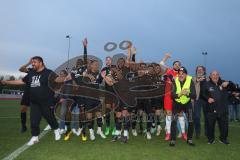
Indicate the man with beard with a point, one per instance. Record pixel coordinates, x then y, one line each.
76 75
92 78
199 81
170 75
122 114
41 98
106 73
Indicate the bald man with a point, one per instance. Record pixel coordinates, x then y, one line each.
215 94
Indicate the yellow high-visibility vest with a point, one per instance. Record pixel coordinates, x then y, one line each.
183 99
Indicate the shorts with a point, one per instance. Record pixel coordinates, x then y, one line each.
25 101
178 107
140 104
109 99
147 106
168 103
92 105
157 103
122 106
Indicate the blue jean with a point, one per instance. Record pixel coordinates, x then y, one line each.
200 105
63 113
178 124
233 111
75 116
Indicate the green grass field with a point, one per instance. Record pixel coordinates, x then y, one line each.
137 148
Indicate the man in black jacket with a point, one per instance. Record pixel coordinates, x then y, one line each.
215 94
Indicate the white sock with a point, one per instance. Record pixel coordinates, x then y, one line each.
125 133
99 129
168 123
182 123
117 132
91 131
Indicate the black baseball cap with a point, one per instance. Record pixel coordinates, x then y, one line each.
183 69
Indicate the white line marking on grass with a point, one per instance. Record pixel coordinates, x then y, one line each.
11 117
21 149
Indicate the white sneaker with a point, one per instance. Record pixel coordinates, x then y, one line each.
149 137
100 133
179 135
134 132
57 134
92 136
62 131
159 129
33 141
47 128
74 131
79 132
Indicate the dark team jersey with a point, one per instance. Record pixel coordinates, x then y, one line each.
93 83
39 90
27 88
109 71
77 74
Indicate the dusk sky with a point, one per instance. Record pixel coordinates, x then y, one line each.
184 27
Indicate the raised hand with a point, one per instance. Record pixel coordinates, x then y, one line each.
134 50
129 45
85 42
168 55
30 61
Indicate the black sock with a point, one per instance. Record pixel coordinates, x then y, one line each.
90 124
108 119
68 126
126 123
158 120
23 119
80 124
99 122
83 126
153 122
141 122
134 121
118 124
149 122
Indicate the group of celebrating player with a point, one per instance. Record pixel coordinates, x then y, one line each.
86 94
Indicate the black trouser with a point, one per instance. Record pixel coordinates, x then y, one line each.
36 113
188 109
222 120
149 113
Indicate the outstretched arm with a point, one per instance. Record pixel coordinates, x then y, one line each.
85 43
12 82
129 54
164 68
165 58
